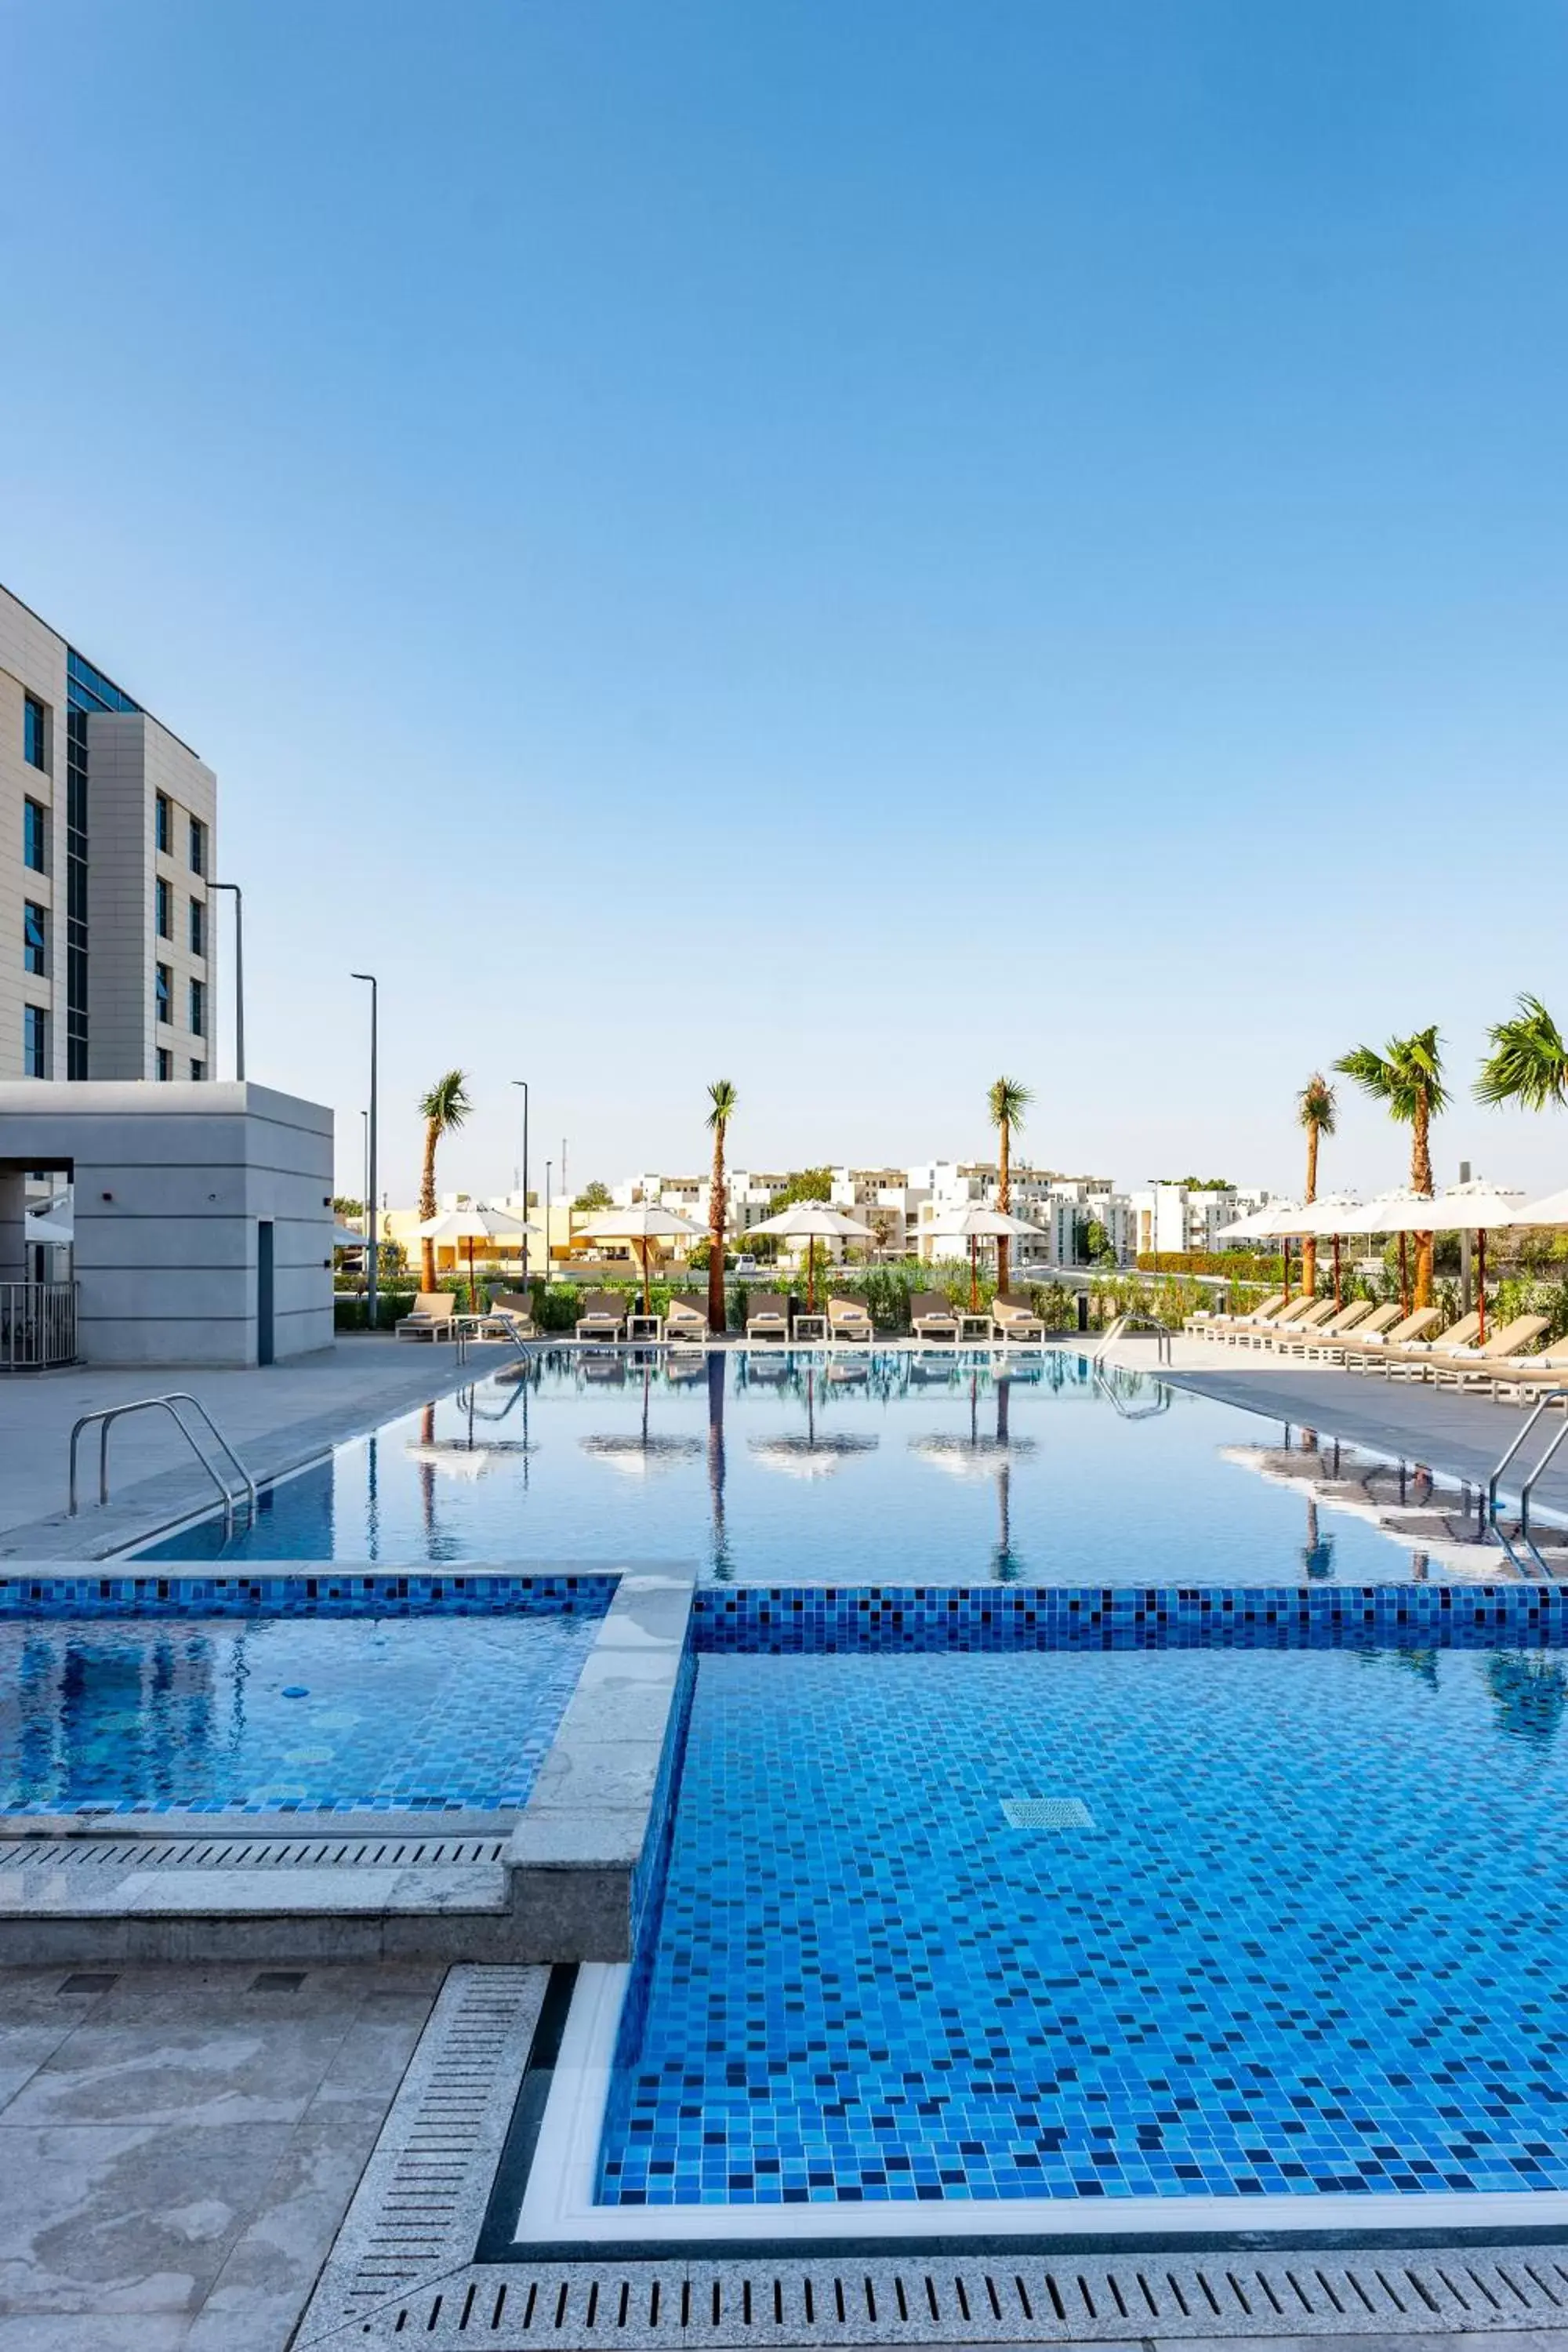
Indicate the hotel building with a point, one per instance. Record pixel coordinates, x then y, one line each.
106 847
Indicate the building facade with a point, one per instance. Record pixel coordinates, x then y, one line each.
107 841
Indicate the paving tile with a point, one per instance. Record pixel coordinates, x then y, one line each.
79 2331
129 2219
272 2268
242 2070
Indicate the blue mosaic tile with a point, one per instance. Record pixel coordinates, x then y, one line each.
330 1593
1313 1944
808 1619
172 1709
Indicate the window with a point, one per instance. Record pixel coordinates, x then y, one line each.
165 1063
198 927
163 908
35 939
35 836
198 1071
198 847
162 993
199 1008
35 1042
35 732
164 829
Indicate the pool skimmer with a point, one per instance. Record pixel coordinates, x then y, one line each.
1047 1814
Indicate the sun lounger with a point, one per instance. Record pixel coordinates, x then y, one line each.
767 1316
1317 1316
1463 1366
1365 1353
431 1317
848 1320
932 1317
1412 1359
1527 1382
1332 1346
1308 1336
514 1309
685 1324
1013 1320
1247 1335
1213 1326
603 1316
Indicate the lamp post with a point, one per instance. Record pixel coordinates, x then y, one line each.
523 1084
238 973
370 1203
548 1165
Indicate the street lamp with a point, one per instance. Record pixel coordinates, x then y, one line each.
370 1204
238 973
523 1084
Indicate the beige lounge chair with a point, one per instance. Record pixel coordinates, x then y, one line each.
1367 1354
1318 1318
685 1326
431 1318
932 1317
603 1316
1013 1319
1460 1367
848 1320
1308 1336
1331 1347
515 1309
1213 1327
1261 1335
767 1316
1525 1384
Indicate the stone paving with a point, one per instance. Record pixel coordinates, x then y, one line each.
277 1418
178 2145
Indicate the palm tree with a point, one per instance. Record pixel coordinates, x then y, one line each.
1529 1061
1315 1109
443 1110
1408 1076
1008 1102
721 1096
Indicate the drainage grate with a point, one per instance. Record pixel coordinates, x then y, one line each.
992 2299
259 1853
419 2207
1047 1814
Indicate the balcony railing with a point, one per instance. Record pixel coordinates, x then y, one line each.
38 1325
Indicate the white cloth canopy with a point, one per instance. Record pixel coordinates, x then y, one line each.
1328 1215
1269 1223
813 1221
475 1223
977 1223
1552 1211
649 1221
1399 1211
1476 1206
51 1231
345 1238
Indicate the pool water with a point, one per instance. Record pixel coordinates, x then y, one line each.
1309 1941
891 1468
125 1715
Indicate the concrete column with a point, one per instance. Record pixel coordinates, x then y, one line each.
13 1228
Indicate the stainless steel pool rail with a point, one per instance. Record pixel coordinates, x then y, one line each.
1551 1397
1134 1323
171 1403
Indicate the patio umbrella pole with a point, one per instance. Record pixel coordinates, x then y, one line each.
1338 1300
644 1306
473 1293
1481 1285
974 1276
1404 1276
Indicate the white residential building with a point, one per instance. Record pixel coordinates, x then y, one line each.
106 847
1174 1217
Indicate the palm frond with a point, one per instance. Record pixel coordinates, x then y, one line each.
1315 1105
1529 1061
1007 1100
721 1096
447 1103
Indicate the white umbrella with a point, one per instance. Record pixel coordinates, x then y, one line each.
345 1238
1267 1223
974 1224
811 1220
1473 1207
1400 1211
1329 1217
647 1221
1552 1211
475 1223
51 1232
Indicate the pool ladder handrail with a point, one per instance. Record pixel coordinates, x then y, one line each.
1551 1397
1124 1324
107 1415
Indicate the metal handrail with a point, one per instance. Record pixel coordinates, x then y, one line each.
1125 1324
1553 1396
107 1415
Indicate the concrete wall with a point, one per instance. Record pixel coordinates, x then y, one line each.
32 661
170 1184
131 760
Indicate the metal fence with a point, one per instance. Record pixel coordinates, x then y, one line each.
38 1325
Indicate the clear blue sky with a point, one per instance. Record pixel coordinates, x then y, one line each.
849 548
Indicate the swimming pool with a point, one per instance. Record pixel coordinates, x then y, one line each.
1270 1925
890 1467
171 1712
